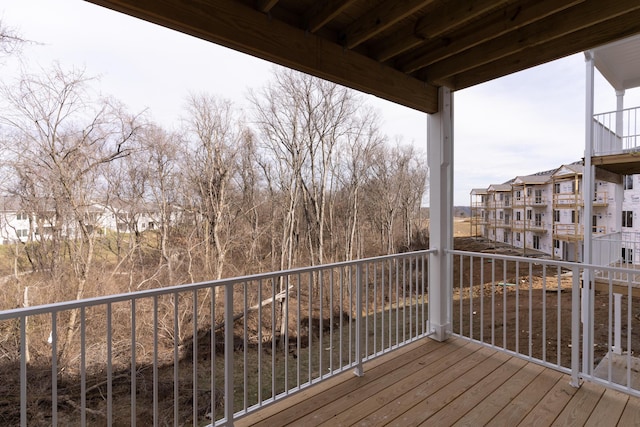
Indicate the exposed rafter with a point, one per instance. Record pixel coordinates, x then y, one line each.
324 11
266 5
591 36
500 22
448 16
539 33
379 19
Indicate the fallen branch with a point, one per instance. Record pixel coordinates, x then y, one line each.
279 296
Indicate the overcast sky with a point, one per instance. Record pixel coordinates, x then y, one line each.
517 125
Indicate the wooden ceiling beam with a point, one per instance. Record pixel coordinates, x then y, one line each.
379 19
509 18
450 16
237 26
626 25
266 5
584 15
323 12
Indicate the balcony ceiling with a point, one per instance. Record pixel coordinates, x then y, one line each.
619 63
398 50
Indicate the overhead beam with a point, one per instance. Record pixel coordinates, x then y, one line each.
266 5
498 23
450 16
379 19
584 15
324 11
626 25
237 26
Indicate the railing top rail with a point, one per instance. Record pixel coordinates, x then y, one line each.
615 111
555 263
148 293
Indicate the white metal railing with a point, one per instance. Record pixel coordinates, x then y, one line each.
207 352
541 310
616 132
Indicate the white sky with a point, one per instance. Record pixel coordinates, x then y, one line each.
517 125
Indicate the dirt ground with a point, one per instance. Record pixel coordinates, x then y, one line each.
512 289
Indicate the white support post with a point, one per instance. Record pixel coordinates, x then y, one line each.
619 117
587 194
440 160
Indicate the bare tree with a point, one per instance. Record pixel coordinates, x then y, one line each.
61 139
356 160
10 40
214 134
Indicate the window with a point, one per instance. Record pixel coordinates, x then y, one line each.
627 256
556 188
594 223
505 237
21 216
627 218
517 237
628 182
556 216
573 187
573 217
538 196
22 233
518 216
518 194
536 242
556 244
538 220
529 214
528 192
501 215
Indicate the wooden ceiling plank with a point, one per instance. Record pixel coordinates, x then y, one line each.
237 26
453 15
625 25
399 42
323 12
266 5
449 16
584 15
379 19
500 22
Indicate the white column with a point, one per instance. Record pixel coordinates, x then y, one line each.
619 108
587 194
440 160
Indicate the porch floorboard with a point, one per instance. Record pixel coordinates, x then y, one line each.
452 383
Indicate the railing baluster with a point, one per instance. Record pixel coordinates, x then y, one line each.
228 353
133 361
176 356
575 327
156 415
54 368
109 367
83 367
358 370
194 358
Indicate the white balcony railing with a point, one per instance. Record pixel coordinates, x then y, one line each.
208 352
213 352
616 132
527 307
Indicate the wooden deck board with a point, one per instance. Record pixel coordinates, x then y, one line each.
468 400
452 383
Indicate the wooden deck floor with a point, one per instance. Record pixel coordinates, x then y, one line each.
452 383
